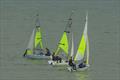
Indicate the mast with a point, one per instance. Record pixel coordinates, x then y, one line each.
69 23
37 23
67 30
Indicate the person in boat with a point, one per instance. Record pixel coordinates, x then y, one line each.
82 65
56 58
47 52
53 56
71 63
25 53
41 52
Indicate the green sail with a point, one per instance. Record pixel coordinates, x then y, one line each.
84 45
29 52
38 38
81 49
63 44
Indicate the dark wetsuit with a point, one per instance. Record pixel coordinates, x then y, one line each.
48 53
56 58
82 65
25 53
72 64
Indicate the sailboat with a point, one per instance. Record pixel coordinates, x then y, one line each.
34 49
83 50
63 45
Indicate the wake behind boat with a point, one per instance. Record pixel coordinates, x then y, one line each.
35 49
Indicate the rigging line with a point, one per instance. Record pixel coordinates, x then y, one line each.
69 23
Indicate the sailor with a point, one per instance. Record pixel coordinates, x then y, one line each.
41 52
25 53
71 63
53 56
56 58
82 65
47 52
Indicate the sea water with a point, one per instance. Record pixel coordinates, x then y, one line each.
17 20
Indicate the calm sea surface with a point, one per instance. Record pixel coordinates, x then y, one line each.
17 20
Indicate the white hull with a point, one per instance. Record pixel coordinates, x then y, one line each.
34 56
78 69
54 63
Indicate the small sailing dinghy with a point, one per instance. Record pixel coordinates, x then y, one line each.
34 49
63 46
82 52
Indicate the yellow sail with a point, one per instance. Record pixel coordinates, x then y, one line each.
38 38
84 45
63 44
81 49
29 52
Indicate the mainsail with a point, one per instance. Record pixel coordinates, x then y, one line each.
63 44
72 47
84 45
30 46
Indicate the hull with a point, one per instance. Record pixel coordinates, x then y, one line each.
34 56
78 69
83 69
54 63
